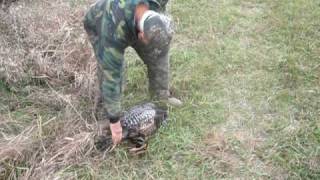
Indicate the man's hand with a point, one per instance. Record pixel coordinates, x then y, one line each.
116 131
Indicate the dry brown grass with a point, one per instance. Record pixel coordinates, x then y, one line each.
50 49
46 147
16 147
256 116
46 45
67 151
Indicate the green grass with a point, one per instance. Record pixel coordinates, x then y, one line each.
243 68
248 74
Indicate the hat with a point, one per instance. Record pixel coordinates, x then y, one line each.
157 28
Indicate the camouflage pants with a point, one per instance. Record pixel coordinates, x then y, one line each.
157 62
157 67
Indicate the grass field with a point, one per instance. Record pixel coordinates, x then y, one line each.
248 72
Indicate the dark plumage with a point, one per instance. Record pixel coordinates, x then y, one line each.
138 124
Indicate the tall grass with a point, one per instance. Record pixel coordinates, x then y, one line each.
247 71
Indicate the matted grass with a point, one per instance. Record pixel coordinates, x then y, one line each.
248 74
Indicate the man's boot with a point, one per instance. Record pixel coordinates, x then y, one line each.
174 101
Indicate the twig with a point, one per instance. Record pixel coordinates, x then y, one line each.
69 103
39 123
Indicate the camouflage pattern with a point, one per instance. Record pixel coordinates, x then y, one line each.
158 5
158 31
111 28
157 62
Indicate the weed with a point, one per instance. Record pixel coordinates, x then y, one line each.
246 70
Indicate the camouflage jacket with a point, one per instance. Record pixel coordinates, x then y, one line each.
111 28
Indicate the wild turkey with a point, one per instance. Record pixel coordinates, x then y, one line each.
138 124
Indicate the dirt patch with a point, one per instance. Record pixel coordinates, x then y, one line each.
248 140
314 163
229 152
217 150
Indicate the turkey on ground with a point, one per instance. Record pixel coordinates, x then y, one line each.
139 123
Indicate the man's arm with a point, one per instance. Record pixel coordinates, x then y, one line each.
110 62
109 54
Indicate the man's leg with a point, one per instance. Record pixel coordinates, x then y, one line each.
157 62
158 72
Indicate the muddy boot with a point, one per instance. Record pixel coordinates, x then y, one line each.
175 102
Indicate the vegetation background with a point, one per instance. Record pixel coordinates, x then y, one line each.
248 72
